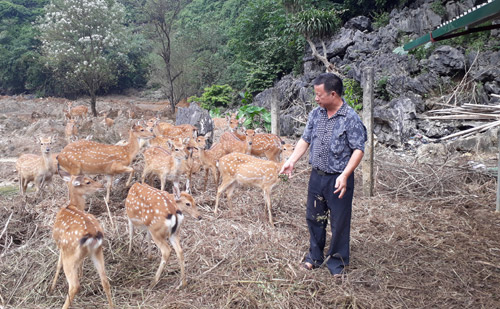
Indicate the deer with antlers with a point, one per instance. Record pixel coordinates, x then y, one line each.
89 157
168 162
78 235
238 168
162 214
35 168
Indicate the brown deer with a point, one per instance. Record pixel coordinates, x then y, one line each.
167 162
264 144
108 122
228 122
231 143
209 158
77 111
71 131
162 214
78 235
35 168
89 157
238 168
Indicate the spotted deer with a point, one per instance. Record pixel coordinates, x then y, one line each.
228 122
89 157
209 158
78 235
170 131
77 111
238 168
264 145
231 143
35 168
161 213
166 162
71 131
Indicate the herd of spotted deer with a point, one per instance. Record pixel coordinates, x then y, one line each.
171 152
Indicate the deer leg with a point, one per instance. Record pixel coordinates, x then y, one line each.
206 179
98 259
130 235
70 267
221 189
58 270
229 195
267 198
174 240
109 183
149 245
165 254
163 181
144 174
131 170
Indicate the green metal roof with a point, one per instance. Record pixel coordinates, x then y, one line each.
469 19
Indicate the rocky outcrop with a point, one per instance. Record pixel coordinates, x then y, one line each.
404 83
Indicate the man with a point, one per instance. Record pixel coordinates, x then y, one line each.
337 137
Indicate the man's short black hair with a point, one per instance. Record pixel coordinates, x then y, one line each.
331 81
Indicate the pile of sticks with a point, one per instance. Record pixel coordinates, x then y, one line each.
490 113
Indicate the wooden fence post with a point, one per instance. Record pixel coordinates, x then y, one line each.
367 168
498 173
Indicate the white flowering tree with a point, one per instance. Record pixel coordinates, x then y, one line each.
83 43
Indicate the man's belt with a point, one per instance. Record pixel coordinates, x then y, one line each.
322 173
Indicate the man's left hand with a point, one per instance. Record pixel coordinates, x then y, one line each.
340 185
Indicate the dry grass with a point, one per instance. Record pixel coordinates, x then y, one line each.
428 239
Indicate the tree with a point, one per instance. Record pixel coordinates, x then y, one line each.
161 15
83 42
315 24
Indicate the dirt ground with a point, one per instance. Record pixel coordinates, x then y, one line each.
427 239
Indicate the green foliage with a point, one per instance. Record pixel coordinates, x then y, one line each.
215 96
316 23
81 43
381 89
246 97
353 94
381 19
352 8
262 45
478 41
255 117
18 46
438 7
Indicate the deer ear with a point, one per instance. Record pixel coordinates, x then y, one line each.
241 120
258 130
64 175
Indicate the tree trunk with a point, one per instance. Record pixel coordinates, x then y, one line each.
93 100
329 67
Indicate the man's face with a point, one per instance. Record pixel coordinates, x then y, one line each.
323 98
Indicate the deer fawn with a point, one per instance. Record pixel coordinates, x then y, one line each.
78 235
77 111
231 143
71 131
88 157
238 168
162 214
34 168
165 163
209 158
264 144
